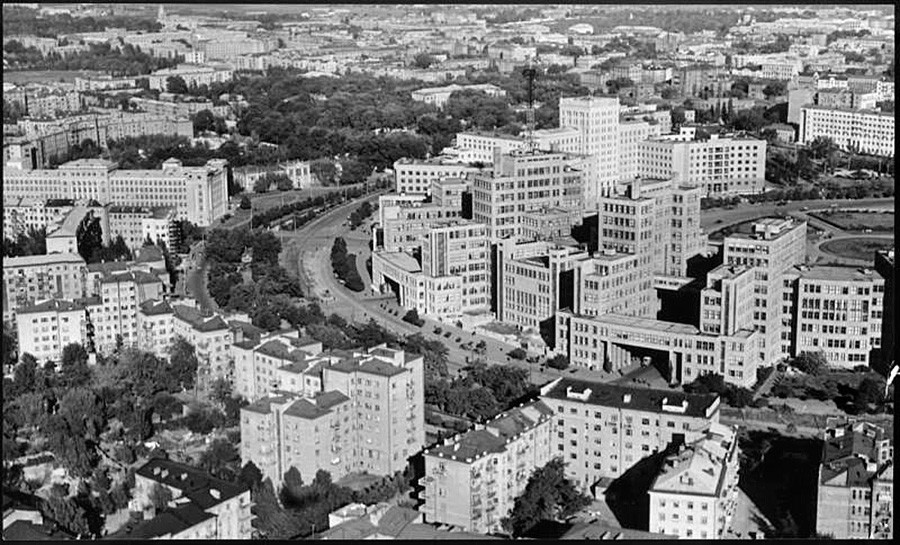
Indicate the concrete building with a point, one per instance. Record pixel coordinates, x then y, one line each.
680 351
597 120
695 494
27 280
415 176
884 265
277 363
836 310
864 131
298 172
604 429
114 318
524 181
404 220
24 214
202 506
44 329
532 283
472 479
776 245
199 194
438 96
478 146
721 165
192 74
369 416
854 498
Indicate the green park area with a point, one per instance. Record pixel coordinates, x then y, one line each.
851 220
860 248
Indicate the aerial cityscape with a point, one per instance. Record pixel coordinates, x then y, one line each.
447 271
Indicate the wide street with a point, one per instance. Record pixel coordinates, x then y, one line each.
719 218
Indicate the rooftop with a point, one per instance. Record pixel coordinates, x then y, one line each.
200 487
169 522
197 320
52 305
626 397
138 277
837 273
40 260
402 260
647 324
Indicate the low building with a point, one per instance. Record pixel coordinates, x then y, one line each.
472 480
863 131
202 506
854 497
695 494
415 176
29 279
604 429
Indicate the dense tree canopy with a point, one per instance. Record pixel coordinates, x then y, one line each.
549 495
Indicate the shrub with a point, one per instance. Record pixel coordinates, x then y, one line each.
412 317
517 353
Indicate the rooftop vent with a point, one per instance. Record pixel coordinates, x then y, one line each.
626 398
183 476
215 493
164 474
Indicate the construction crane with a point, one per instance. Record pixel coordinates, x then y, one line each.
529 73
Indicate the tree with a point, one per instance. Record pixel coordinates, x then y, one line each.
423 60
221 459
245 203
89 237
412 317
74 370
324 170
220 390
549 495
262 184
205 120
67 514
177 85
869 392
558 362
518 353
774 89
272 521
25 374
811 363
183 363
250 475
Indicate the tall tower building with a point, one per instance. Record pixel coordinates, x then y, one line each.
597 120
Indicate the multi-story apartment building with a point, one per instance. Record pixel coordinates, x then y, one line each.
23 214
472 480
27 280
414 176
597 120
114 317
611 282
776 245
199 194
438 96
404 220
721 165
836 310
202 506
604 429
846 99
863 131
282 363
376 399
680 351
44 329
192 74
631 133
884 265
695 494
211 338
856 482
531 280
298 172
180 108
524 181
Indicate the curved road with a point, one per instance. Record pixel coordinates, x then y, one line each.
715 219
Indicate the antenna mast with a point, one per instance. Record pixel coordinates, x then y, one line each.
529 72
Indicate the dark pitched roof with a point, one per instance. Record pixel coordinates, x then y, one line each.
24 530
107 267
170 521
196 484
148 254
197 320
155 308
371 366
642 399
317 407
51 305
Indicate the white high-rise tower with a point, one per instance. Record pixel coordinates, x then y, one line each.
597 119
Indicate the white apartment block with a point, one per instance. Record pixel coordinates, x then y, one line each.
199 194
369 416
836 310
415 176
681 351
27 280
44 329
282 363
403 221
438 96
23 214
298 172
631 134
604 429
597 120
193 74
695 494
472 480
863 131
776 245
114 316
524 181
721 165
211 338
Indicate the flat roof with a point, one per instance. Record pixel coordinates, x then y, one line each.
647 324
40 260
642 399
402 260
838 273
